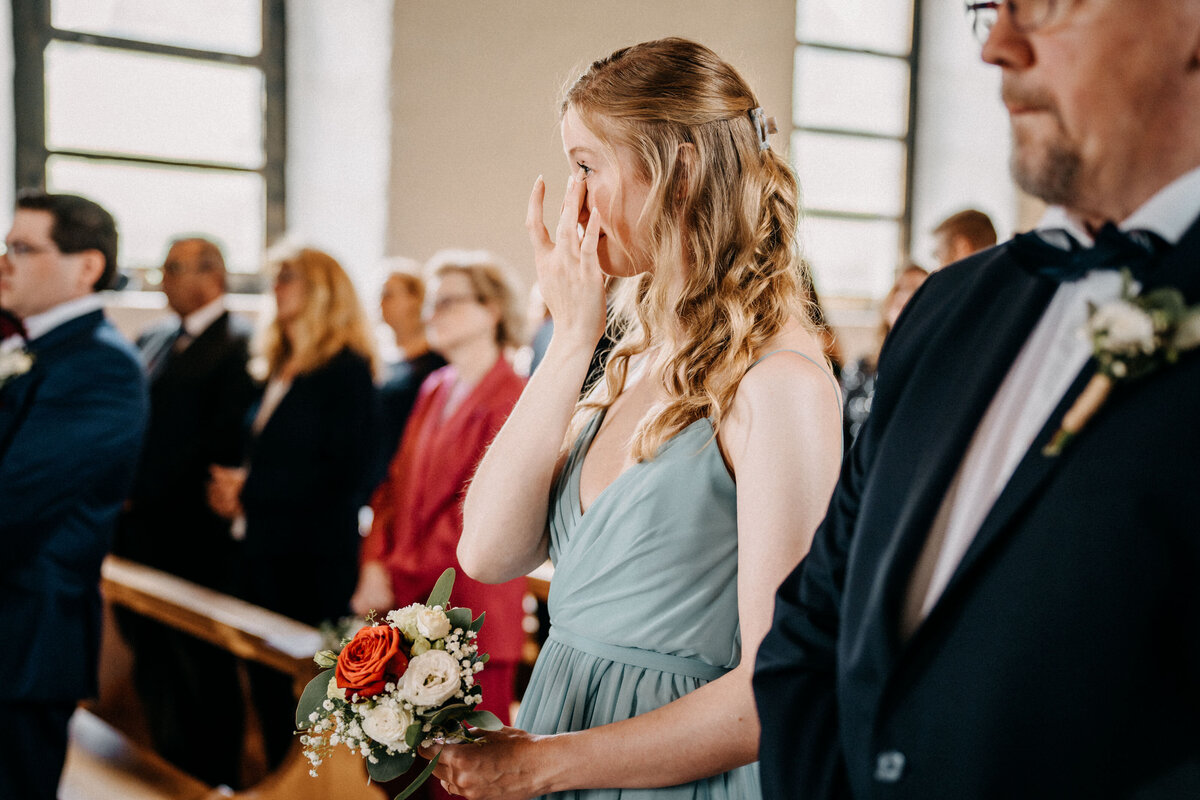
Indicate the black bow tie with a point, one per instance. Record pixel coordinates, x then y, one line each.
1114 249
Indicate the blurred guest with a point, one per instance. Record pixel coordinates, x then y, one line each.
72 412
418 508
308 462
858 377
400 304
199 394
962 234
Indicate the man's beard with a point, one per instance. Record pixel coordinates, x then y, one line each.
1052 177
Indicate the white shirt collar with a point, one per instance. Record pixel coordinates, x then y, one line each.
198 321
39 325
1169 213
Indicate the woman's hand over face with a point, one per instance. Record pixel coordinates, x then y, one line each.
568 268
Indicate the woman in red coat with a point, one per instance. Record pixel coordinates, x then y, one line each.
418 507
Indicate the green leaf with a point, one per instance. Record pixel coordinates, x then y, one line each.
440 596
483 659
456 712
390 766
420 779
478 623
311 699
484 720
459 618
413 735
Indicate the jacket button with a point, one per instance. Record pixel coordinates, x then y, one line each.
889 766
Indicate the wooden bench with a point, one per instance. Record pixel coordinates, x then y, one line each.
104 762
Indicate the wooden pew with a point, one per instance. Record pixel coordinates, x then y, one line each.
104 762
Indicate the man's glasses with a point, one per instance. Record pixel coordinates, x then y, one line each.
1026 16
18 249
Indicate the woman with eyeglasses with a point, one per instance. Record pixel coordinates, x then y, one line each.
471 317
307 467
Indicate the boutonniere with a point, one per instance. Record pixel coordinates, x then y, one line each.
1131 337
14 363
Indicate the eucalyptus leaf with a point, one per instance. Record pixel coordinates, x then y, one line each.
413 735
420 779
478 623
455 712
390 766
311 699
459 618
484 720
440 596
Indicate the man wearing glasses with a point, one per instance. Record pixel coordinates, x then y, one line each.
1004 598
72 408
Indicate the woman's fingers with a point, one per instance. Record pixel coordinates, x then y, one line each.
534 221
589 247
568 221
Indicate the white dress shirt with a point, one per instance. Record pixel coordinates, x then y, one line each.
1047 365
198 321
38 325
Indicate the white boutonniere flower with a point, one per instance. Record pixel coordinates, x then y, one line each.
14 363
1131 337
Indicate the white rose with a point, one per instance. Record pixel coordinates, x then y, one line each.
333 691
406 620
386 724
432 679
1123 328
432 623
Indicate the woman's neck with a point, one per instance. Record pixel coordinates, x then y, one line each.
472 360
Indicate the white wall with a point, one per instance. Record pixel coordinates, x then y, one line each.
476 88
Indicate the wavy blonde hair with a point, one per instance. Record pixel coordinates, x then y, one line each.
332 319
719 208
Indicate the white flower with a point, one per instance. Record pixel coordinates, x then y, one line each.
432 623
1123 328
333 691
14 363
431 679
406 620
386 723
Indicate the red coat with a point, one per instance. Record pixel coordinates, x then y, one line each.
418 507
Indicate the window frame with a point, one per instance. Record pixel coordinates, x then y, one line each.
904 219
33 33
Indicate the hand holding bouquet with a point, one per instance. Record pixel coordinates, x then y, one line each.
397 686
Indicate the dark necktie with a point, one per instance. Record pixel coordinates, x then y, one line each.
1114 249
158 360
10 325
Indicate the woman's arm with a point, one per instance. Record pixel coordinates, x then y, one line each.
783 440
504 517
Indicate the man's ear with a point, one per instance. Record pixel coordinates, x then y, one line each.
91 268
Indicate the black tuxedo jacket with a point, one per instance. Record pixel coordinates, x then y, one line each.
1063 659
70 431
198 405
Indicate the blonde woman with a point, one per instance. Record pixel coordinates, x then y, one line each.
308 463
693 475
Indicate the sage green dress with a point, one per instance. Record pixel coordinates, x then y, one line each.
643 605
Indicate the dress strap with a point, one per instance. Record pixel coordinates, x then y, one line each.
832 381
635 656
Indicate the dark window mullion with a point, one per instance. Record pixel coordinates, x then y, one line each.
162 162
155 48
839 48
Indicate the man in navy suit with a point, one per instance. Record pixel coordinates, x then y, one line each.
200 393
72 411
981 616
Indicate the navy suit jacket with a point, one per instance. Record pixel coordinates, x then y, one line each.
1063 659
70 432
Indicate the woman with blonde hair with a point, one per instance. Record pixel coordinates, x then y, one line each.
307 465
692 477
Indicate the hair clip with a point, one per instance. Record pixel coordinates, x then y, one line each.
763 126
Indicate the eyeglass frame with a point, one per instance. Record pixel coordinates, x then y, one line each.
22 250
982 23
445 303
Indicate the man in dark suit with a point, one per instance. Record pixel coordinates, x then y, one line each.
200 392
981 616
72 412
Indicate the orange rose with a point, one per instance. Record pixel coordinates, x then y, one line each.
372 659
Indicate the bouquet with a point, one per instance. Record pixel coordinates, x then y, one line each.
397 686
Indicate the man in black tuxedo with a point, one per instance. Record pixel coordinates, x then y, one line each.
979 617
72 412
200 392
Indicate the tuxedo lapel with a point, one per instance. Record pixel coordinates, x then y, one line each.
982 340
1179 269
